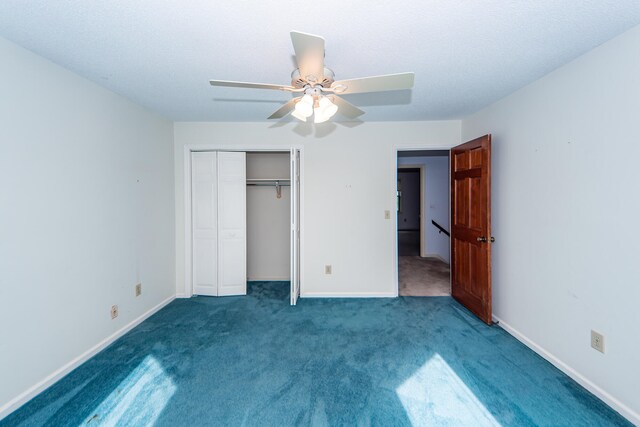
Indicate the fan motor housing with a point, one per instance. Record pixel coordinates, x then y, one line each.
299 81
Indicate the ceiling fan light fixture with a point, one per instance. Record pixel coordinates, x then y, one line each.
325 110
304 107
299 116
319 118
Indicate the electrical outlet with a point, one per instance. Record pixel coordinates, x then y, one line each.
387 214
114 311
327 269
138 289
597 341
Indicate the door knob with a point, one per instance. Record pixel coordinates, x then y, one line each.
483 239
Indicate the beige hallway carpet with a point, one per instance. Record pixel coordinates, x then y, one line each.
423 277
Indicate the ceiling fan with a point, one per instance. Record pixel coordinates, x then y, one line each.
319 91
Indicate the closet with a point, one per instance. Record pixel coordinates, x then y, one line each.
268 216
245 220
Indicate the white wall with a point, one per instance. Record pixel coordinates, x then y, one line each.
86 212
565 215
436 202
268 219
344 198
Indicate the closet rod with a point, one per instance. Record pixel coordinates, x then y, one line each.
264 184
270 183
268 179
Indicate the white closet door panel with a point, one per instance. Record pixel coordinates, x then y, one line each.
232 276
233 211
204 214
232 166
204 269
204 223
232 224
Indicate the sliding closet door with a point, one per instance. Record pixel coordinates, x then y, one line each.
295 225
205 223
232 224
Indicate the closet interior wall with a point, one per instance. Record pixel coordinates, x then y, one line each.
268 218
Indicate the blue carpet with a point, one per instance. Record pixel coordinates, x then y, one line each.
255 360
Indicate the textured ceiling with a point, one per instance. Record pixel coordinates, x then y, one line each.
161 54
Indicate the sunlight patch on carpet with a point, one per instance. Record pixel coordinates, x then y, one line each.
435 393
138 400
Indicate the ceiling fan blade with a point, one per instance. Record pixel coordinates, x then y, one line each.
227 83
374 84
309 55
285 109
345 108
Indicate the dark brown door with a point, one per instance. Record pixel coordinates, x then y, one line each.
471 226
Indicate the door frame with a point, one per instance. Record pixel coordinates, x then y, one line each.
423 188
186 157
411 147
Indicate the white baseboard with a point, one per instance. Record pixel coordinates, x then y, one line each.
349 295
182 296
618 406
48 381
268 279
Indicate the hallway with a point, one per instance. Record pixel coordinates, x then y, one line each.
424 277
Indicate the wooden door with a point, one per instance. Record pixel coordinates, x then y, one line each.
471 226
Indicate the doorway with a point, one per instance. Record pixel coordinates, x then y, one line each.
409 210
422 222
268 221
